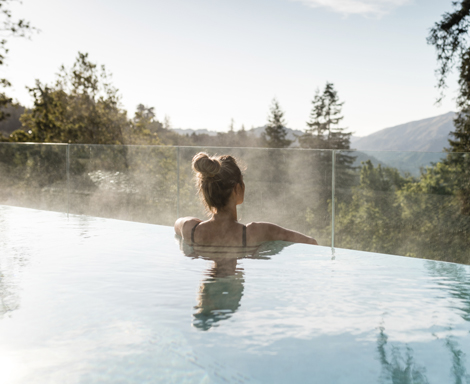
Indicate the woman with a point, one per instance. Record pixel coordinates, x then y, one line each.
221 187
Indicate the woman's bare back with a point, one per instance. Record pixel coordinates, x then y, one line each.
230 233
214 233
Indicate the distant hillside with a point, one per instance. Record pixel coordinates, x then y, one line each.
12 122
291 133
408 147
427 135
190 131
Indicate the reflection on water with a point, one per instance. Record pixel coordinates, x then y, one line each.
454 279
458 359
396 368
10 266
221 290
219 294
9 299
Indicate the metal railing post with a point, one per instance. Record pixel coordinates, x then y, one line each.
333 153
67 168
177 182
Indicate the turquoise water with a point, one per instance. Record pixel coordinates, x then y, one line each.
90 300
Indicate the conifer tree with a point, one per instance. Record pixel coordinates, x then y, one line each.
275 132
323 131
450 38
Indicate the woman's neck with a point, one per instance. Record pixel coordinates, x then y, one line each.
228 214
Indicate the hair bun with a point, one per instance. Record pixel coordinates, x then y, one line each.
208 167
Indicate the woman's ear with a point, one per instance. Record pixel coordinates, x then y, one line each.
240 192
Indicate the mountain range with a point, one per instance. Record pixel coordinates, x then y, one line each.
408 147
426 135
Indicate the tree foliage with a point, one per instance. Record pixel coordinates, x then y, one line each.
369 221
275 131
396 214
450 38
11 123
143 128
323 130
81 107
9 27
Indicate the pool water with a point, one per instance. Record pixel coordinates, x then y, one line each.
91 300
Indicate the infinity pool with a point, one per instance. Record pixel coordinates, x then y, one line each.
90 300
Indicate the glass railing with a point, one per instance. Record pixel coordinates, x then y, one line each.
137 183
402 203
34 176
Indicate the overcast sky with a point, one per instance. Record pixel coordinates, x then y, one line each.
204 62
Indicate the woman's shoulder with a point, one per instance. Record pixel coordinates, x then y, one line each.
184 225
260 226
259 231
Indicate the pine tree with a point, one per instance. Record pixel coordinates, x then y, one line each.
461 134
275 132
323 131
450 38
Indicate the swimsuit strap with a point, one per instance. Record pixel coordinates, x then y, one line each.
192 233
243 236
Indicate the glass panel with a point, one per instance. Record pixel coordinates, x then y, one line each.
404 203
288 187
33 176
136 183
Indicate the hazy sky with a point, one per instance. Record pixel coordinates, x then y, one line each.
204 62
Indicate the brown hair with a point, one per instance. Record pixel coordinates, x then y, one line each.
216 177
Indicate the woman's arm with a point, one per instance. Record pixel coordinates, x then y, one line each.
179 224
260 232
